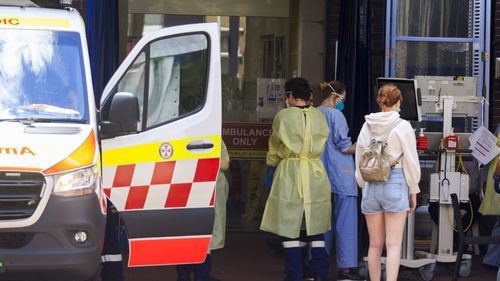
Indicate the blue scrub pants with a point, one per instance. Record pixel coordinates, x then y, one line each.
492 257
294 257
344 231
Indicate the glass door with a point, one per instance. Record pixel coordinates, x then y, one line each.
439 38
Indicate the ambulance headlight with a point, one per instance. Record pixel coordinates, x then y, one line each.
74 183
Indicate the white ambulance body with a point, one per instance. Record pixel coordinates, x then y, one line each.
153 149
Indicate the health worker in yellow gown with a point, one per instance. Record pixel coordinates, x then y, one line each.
300 194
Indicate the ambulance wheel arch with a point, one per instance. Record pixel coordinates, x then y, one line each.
161 175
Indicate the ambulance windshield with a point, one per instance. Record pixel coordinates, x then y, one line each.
42 76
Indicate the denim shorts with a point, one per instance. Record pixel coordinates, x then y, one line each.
386 197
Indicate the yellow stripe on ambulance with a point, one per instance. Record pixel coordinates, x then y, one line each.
150 152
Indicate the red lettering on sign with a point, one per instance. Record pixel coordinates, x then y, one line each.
247 137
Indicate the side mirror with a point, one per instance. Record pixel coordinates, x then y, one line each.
122 117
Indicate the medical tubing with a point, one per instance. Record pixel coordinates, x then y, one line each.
470 221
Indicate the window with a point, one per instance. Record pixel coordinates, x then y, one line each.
435 18
451 32
133 81
449 59
42 76
440 38
176 79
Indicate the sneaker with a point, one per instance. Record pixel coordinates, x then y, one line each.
349 276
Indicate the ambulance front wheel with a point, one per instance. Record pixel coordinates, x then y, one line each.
427 271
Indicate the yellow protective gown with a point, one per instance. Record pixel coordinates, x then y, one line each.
491 201
221 193
300 186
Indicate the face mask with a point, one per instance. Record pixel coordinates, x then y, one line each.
286 103
340 106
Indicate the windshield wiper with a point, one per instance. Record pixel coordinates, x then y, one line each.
30 121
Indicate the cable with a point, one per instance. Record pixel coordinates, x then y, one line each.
470 221
460 162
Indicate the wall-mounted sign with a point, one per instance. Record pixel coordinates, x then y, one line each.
246 140
270 97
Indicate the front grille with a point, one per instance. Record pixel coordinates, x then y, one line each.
13 240
20 193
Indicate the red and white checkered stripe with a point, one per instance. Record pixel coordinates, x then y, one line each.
159 185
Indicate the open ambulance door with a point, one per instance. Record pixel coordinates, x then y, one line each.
161 139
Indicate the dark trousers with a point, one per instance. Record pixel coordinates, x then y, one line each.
201 271
294 257
112 266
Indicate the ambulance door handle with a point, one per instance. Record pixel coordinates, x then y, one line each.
192 146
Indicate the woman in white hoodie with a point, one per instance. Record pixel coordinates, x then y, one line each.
385 204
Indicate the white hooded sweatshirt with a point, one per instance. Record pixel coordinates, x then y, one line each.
401 144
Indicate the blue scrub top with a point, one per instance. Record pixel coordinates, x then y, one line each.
339 166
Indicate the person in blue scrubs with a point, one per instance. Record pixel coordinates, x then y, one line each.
339 163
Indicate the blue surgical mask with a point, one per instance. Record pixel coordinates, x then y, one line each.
340 106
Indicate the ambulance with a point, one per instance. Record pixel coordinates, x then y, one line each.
151 145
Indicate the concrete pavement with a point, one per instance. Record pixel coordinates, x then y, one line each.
247 257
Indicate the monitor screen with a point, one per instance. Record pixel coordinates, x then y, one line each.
410 109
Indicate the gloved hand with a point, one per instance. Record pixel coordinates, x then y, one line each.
268 180
496 183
